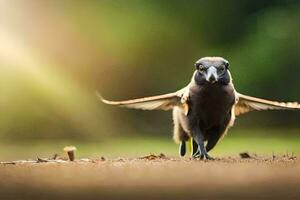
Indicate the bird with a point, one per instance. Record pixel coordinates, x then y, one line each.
206 108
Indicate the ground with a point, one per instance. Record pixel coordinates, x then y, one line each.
154 177
126 172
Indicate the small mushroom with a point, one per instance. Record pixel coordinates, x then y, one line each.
71 152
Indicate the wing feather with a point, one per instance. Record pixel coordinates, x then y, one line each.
247 103
160 102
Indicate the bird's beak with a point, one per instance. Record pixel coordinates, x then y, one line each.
212 75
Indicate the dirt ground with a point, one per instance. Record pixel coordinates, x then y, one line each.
153 177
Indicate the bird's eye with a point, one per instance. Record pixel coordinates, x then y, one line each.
201 68
222 68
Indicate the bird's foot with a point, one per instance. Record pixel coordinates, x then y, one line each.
196 155
201 156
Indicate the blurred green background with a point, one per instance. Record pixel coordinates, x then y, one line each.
54 55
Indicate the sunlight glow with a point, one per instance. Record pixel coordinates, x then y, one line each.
62 93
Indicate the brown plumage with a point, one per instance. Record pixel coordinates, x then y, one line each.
206 107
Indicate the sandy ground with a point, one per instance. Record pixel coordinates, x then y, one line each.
154 177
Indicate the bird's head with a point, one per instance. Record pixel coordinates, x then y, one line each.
212 70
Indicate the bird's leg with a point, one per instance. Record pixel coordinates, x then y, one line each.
202 153
182 148
194 148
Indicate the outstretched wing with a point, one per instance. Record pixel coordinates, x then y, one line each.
247 103
160 102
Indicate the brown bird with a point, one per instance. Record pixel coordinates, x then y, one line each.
206 108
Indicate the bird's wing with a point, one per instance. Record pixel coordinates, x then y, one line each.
247 103
160 102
